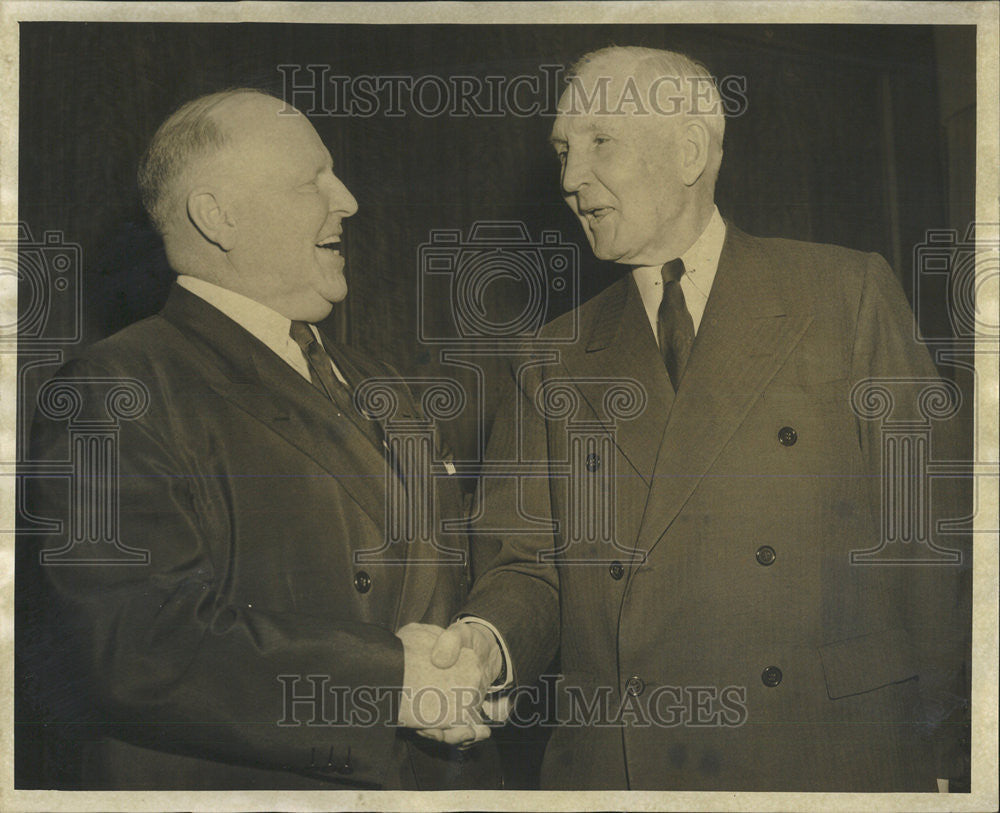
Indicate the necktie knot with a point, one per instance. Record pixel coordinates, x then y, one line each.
320 364
302 335
672 271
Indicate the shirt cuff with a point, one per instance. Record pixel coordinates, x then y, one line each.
498 702
506 678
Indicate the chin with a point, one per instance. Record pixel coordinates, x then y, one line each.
603 253
321 304
337 292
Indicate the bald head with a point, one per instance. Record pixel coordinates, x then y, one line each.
243 191
193 132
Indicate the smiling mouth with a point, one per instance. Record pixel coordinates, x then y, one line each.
330 244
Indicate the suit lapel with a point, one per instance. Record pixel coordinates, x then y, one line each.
248 374
420 560
355 377
745 336
620 345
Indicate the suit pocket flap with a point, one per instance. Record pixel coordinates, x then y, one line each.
868 662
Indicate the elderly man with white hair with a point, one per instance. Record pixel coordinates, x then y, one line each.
698 570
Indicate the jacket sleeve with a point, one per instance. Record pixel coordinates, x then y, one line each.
156 654
518 593
937 590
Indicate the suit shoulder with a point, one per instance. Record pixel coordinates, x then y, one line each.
131 349
818 257
822 272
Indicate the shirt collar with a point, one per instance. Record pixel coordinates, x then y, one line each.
264 323
701 260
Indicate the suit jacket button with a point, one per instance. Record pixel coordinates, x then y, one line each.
593 462
362 582
616 570
765 555
346 767
771 676
634 685
787 436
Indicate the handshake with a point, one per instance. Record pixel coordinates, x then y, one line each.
446 675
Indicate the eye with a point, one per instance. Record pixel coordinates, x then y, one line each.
561 155
599 140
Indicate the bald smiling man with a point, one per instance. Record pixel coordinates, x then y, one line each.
252 650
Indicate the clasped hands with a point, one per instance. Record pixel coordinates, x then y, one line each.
446 675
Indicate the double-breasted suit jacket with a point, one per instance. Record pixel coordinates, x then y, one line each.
251 495
724 622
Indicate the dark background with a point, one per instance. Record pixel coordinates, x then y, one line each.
858 135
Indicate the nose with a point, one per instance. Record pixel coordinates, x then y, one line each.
575 172
341 200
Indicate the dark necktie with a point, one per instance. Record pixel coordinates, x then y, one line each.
674 323
320 364
323 379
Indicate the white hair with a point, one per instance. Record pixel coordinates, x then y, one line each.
651 67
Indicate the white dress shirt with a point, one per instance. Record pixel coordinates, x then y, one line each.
701 261
259 320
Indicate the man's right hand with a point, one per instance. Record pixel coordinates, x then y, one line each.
468 635
441 702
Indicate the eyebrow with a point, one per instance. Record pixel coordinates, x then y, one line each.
589 127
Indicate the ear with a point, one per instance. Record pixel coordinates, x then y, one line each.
211 218
694 150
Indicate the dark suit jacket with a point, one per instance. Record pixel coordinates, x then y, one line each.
730 666
251 497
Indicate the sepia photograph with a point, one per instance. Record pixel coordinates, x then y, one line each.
459 406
